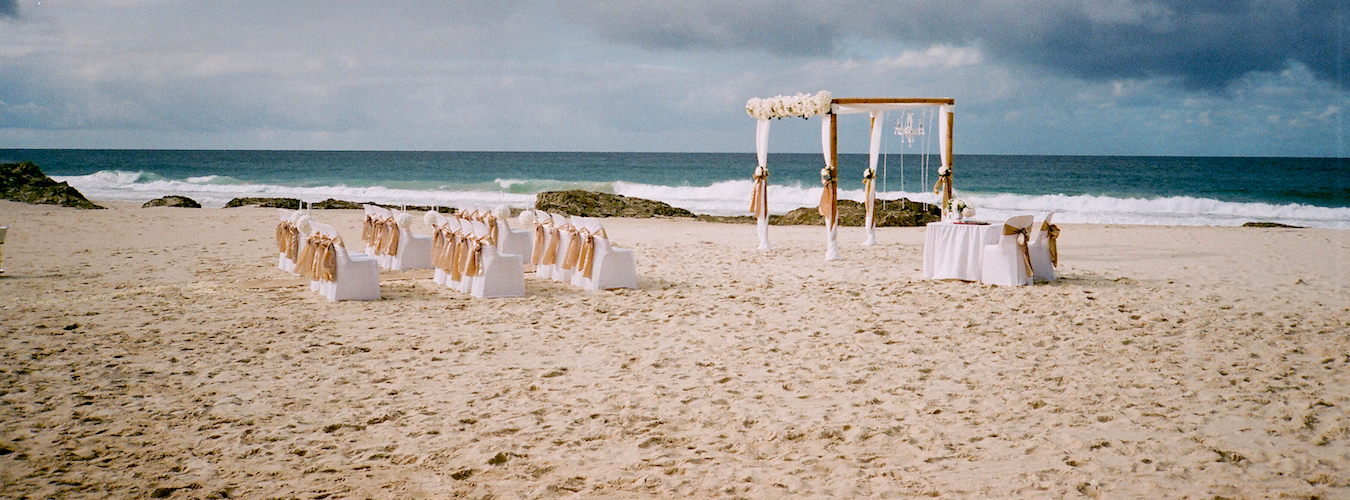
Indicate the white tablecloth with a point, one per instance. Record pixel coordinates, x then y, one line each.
953 251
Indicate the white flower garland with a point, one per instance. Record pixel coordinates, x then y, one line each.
800 105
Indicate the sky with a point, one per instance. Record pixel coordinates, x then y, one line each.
1090 77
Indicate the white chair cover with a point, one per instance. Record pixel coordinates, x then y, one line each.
414 250
285 263
1042 268
544 269
565 234
501 276
613 267
515 241
358 275
1003 262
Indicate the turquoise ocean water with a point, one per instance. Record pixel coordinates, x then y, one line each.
1311 192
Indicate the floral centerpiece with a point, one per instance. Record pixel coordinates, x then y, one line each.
960 209
800 105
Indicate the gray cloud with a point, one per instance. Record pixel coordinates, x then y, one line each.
1200 45
9 8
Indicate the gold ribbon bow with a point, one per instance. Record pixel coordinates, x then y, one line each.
869 179
587 259
829 206
1022 237
319 259
368 231
1052 232
458 254
551 252
573 254
288 240
540 237
473 261
387 229
759 200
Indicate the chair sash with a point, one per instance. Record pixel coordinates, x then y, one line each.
491 222
442 248
1052 232
458 254
368 231
319 259
551 252
580 236
387 230
540 237
1022 237
288 240
759 202
586 261
473 261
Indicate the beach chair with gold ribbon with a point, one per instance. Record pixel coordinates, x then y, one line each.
560 246
414 250
513 241
1044 251
491 273
600 266
1008 262
288 240
335 273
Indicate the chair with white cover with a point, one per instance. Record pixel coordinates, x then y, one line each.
496 275
460 233
608 267
368 228
288 240
566 233
335 273
414 250
514 241
1044 251
546 249
1008 262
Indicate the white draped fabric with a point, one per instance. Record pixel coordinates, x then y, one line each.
762 152
874 150
831 226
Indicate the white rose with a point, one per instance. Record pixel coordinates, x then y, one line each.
403 219
430 218
943 170
527 218
969 211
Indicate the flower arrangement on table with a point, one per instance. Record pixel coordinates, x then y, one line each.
800 105
962 209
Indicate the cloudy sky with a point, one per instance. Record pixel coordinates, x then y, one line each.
1098 77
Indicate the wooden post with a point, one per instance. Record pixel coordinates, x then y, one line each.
834 163
951 173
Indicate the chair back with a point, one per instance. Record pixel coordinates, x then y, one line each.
1040 231
285 214
1020 222
331 232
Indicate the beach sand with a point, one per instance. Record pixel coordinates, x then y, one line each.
160 353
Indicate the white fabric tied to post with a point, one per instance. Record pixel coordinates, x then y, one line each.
759 202
829 208
869 180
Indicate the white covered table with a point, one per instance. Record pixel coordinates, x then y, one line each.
954 250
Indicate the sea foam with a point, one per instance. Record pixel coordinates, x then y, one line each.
721 198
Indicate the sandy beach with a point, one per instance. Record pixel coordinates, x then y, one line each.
159 352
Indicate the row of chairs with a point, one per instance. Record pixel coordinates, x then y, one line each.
474 251
577 250
1021 256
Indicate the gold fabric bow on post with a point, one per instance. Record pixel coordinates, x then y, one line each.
1052 232
869 191
829 199
319 260
759 200
1022 238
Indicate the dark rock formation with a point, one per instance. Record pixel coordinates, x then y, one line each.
332 204
589 204
172 201
889 213
24 182
288 203
1269 224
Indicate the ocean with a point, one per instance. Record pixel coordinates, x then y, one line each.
1189 191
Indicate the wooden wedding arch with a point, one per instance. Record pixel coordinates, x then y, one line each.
805 106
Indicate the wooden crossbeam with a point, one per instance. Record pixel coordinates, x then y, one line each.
895 100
